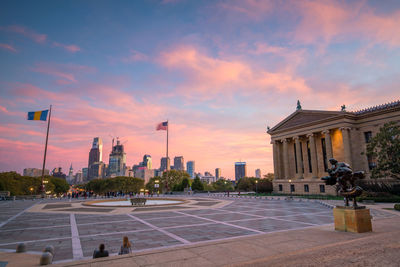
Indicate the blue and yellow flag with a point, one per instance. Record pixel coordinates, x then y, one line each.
38 115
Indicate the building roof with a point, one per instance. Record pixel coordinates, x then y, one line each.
379 107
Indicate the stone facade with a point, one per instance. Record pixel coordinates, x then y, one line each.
304 142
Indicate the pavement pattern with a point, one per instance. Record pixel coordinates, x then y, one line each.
75 236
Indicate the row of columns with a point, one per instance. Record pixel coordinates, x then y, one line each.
313 153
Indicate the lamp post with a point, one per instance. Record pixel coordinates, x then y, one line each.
142 191
256 186
157 185
290 186
31 189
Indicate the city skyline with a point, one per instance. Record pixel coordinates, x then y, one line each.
226 71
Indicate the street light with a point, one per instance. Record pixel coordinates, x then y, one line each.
290 185
157 185
256 186
31 190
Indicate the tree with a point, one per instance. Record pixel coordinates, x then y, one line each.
385 148
197 185
172 178
223 185
269 176
151 185
60 185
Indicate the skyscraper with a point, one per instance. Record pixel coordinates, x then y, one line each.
240 170
117 163
147 162
190 168
217 173
258 173
164 164
179 163
95 157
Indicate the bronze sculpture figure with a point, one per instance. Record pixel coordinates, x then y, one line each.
343 177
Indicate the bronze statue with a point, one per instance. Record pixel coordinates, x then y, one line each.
343 177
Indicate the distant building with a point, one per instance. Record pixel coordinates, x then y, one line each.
258 173
190 168
78 178
70 177
144 174
179 163
240 170
34 172
217 173
207 178
117 162
95 159
165 164
85 173
57 172
147 162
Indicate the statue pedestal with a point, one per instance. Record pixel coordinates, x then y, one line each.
349 219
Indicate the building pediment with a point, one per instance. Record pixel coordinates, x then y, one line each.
303 117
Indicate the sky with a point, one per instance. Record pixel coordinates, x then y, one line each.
219 71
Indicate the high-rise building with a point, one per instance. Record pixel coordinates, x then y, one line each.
218 173
179 163
34 172
190 168
96 170
117 163
70 177
147 162
165 164
240 170
258 173
85 173
95 158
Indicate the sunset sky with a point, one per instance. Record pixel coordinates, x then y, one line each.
220 71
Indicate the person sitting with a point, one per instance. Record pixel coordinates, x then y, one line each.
126 246
101 252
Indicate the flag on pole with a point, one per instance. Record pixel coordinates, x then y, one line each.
38 115
162 126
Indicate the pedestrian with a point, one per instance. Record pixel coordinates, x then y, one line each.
101 252
126 246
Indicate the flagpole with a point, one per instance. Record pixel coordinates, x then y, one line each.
42 189
167 144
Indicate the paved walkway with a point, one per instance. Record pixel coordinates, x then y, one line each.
247 231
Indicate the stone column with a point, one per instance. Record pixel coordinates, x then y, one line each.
328 143
285 158
298 158
314 162
276 160
346 145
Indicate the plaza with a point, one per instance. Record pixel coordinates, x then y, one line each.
76 232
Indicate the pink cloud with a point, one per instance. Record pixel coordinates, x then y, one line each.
32 92
8 47
67 72
208 76
135 56
70 48
331 20
37 37
253 9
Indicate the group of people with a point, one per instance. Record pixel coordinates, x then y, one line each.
126 248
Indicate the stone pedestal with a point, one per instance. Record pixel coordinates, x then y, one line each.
348 219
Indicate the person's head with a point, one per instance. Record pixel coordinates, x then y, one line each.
126 242
101 247
333 161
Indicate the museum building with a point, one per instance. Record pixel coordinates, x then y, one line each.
304 142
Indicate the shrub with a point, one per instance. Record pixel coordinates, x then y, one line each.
397 207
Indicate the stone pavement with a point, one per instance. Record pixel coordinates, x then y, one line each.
231 231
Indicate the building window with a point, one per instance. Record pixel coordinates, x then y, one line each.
368 136
309 157
280 187
323 143
306 189
295 158
322 188
292 188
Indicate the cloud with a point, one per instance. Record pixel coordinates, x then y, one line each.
8 47
70 48
209 76
37 37
67 72
333 21
135 56
253 9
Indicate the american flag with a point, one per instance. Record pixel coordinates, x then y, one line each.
162 126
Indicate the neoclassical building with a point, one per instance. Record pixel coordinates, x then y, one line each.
304 142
